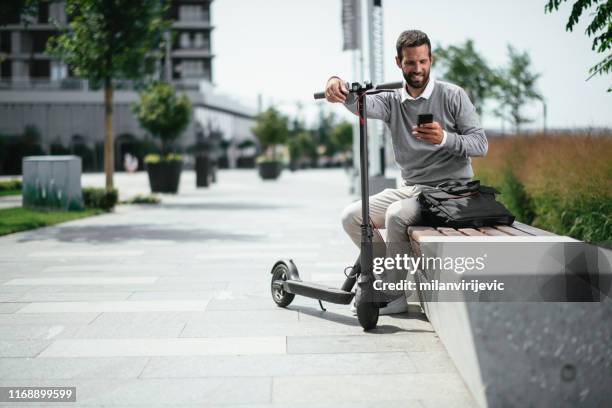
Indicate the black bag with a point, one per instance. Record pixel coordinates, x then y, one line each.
462 205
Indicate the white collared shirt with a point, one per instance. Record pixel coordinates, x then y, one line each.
426 94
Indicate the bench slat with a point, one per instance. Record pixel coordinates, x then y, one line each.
451 232
417 232
492 231
531 230
511 231
470 232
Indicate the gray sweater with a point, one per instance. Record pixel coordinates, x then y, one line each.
419 161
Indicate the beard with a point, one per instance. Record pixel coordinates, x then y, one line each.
417 83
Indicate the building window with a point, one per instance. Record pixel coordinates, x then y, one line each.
58 71
192 69
57 12
40 39
43 12
185 41
39 69
191 13
198 41
6 69
5 42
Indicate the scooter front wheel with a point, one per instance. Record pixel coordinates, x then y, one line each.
281 297
367 314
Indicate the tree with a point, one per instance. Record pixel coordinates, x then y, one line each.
327 122
462 65
271 130
300 145
107 40
163 113
342 136
600 27
515 87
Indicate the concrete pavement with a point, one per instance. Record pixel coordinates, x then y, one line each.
170 305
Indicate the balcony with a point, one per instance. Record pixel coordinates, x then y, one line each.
192 25
191 53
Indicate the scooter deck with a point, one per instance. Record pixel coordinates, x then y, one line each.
316 291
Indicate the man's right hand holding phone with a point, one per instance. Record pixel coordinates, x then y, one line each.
428 130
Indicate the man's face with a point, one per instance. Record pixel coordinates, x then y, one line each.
415 65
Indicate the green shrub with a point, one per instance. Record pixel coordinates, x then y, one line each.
10 185
560 183
99 198
515 198
144 199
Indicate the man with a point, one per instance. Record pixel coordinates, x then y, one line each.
427 155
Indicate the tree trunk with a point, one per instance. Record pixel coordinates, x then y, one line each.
109 162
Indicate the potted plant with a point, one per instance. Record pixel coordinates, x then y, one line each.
165 115
271 130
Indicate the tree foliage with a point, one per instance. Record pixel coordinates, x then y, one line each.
462 65
600 28
301 145
270 128
163 113
342 136
111 39
107 40
515 87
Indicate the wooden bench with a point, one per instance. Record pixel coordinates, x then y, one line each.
519 353
516 230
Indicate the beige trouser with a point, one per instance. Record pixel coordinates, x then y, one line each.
394 209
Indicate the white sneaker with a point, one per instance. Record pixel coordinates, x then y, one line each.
398 305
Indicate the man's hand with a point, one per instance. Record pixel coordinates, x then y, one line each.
335 90
429 132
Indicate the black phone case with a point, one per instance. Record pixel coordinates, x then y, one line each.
424 118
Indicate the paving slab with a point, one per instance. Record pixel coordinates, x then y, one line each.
72 368
278 365
366 387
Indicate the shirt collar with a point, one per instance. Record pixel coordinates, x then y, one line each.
426 93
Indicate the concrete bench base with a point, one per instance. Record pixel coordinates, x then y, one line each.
518 354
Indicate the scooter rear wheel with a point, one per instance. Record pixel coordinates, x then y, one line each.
367 314
279 295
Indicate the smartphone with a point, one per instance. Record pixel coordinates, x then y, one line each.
424 118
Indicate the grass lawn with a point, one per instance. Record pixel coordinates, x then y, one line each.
9 192
21 219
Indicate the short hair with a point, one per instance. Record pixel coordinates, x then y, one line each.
412 38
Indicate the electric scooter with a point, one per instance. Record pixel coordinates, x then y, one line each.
286 282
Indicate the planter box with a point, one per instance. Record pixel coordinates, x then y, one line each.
52 182
270 170
164 177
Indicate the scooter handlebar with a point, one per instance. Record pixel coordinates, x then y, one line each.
385 86
390 85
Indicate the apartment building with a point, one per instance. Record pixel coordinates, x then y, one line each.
45 108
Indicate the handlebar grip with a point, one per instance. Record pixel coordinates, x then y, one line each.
390 85
319 95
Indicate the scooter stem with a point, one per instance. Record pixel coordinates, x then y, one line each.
366 227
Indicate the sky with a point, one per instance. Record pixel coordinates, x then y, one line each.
286 49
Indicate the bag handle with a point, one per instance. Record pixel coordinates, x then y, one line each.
455 187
